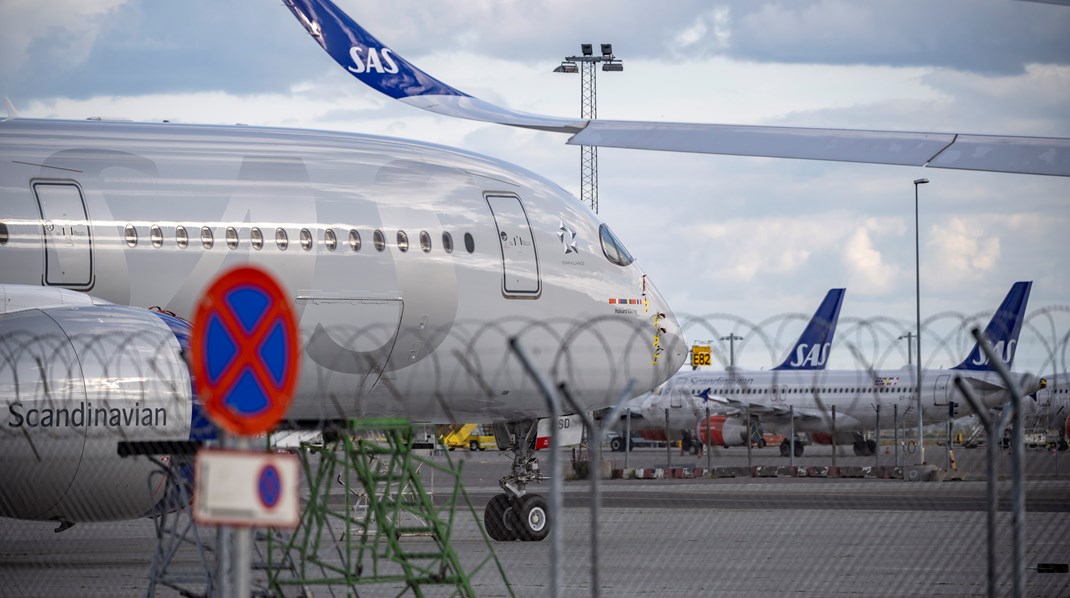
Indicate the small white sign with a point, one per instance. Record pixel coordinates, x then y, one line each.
246 489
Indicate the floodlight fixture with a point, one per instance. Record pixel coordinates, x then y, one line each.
567 67
614 67
607 49
586 49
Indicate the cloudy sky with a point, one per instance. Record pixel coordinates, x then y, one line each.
718 235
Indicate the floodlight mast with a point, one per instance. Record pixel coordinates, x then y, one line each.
585 65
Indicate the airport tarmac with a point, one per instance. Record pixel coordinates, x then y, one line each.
697 537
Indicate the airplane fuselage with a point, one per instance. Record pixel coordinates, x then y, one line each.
855 395
409 265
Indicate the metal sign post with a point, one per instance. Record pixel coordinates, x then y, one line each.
244 361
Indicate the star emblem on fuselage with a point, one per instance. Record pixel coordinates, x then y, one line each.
568 238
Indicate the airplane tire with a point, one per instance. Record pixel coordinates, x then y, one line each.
616 444
871 447
533 523
785 448
859 448
798 449
500 518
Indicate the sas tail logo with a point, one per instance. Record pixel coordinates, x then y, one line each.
811 356
1004 349
1003 330
376 61
811 351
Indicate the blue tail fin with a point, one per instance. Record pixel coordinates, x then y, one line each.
811 351
1002 332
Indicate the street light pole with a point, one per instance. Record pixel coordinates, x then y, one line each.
917 306
585 65
732 338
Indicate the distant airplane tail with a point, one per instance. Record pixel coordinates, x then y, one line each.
1003 330
811 351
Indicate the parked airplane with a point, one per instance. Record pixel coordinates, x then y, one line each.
667 415
774 398
409 267
1049 407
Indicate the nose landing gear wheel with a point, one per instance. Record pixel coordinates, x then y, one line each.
500 518
533 518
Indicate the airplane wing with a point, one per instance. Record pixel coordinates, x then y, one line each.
382 69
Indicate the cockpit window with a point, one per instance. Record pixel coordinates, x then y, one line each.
612 247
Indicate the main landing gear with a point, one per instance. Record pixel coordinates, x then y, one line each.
515 514
865 448
785 448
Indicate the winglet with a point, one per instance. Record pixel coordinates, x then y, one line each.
1003 330
811 351
11 112
384 70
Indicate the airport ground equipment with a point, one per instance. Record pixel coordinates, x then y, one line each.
396 536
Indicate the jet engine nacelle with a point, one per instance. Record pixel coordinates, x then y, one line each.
723 431
74 381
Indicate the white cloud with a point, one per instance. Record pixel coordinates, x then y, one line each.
869 273
960 251
73 24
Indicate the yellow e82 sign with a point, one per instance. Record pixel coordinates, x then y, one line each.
700 356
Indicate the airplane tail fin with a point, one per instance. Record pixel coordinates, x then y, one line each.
811 351
1003 330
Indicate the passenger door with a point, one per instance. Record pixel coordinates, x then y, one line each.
67 239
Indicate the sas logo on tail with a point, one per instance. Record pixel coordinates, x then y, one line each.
1006 349
811 355
378 61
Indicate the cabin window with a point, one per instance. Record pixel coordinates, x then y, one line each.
403 241
425 241
256 237
379 240
612 248
156 235
469 243
447 242
207 238
232 237
181 237
131 235
282 240
354 240
306 239
329 240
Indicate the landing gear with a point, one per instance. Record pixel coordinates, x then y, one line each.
500 518
616 444
785 448
509 518
864 448
534 518
515 514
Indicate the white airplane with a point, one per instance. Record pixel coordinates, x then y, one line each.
666 416
409 267
1049 406
776 397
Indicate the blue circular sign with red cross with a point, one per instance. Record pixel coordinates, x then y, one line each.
269 486
243 351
